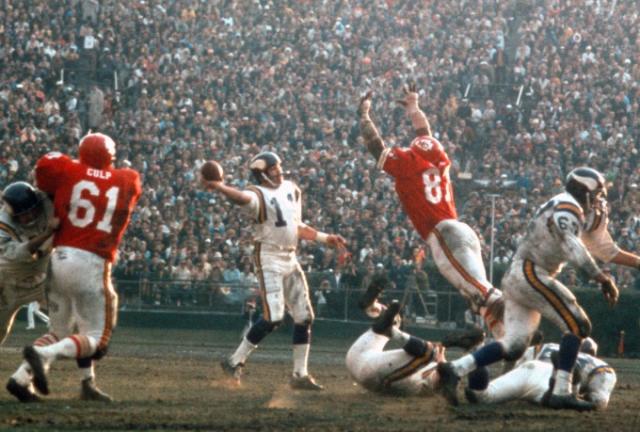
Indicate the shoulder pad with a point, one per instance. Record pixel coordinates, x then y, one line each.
566 206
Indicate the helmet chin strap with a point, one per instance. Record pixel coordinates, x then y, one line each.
268 180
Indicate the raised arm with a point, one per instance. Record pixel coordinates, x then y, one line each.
234 195
368 129
418 118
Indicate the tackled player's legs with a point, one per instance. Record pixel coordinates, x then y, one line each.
456 251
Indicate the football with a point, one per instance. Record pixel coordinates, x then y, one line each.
211 171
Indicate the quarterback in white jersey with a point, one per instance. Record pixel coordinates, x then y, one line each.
530 379
26 227
275 205
570 227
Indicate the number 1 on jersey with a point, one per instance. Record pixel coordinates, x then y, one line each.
280 222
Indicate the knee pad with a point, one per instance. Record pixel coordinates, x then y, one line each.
260 329
301 334
84 363
515 351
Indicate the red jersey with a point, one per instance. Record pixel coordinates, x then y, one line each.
94 206
421 174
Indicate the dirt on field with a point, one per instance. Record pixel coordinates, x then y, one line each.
164 379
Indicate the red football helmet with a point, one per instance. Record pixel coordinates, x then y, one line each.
424 146
97 150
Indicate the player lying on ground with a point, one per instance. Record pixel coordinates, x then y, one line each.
421 176
593 378
410 370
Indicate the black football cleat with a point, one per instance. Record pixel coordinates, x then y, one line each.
384 323
37 367
375 288
22 393
448 383
466 339
471 396
569 401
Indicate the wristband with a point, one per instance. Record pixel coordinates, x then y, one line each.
322 237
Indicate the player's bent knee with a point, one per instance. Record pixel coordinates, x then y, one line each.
515 351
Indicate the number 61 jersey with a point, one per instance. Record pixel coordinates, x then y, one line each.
421 174
94 205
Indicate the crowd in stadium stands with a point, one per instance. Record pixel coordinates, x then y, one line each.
519 92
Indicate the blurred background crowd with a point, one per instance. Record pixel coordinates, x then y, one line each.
518 92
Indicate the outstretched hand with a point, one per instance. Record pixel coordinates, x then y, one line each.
410 100
365 104
610 291
336 241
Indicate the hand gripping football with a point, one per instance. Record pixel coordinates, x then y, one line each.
211 171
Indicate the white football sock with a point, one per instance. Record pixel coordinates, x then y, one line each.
242 352
563 383
464 365
23 374
300 359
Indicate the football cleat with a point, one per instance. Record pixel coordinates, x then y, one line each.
375 288
37 367
448 383
471 396
466 339
230 370
90 392
569 401
22 393
306 382
384 323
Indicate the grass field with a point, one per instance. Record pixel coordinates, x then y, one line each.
170 379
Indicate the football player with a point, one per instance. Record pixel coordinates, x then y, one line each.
26 229
421 174
568 228
275 207
410 370
594 379
94 201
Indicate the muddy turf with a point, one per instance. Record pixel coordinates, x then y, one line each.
170 379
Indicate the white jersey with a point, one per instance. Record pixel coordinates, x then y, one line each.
554 237
277 213
22 273
587 365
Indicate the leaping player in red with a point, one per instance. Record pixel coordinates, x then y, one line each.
421 174
94 201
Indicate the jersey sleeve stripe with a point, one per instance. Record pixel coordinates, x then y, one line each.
598 370
407 369
9 230
551 297
383 158
571 208
262 212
